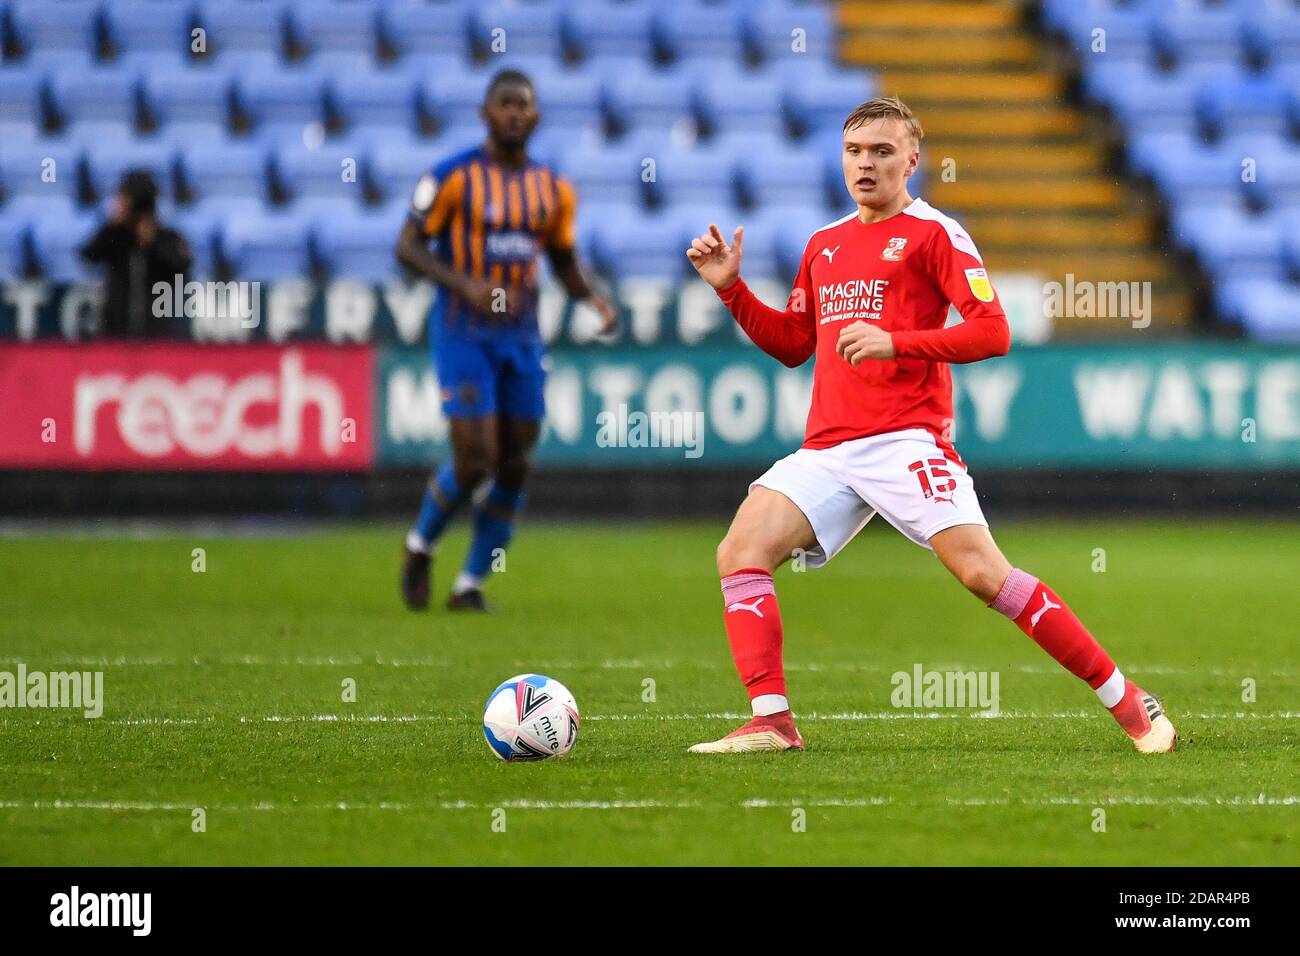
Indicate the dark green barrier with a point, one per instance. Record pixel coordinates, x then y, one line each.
1185 406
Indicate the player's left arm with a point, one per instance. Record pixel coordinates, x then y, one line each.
560 240
955 266
957 269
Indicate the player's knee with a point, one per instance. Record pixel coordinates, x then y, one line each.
979 577
513 470
738 551
473 465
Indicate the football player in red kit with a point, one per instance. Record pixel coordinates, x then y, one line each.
870 301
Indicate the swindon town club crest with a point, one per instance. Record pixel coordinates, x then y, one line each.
893 251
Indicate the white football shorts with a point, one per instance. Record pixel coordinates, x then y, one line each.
902 475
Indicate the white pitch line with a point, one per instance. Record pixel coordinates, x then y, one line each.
243 660
379 660
756 803
726 715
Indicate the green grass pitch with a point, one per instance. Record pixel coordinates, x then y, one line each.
224 692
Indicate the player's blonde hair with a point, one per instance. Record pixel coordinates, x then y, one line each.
886 107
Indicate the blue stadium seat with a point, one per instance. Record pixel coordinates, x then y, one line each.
453 95
1230 243
194 95
282 103
1289 76
1194 34
1264 308
1278 178
708 31
818 99
734 100
107 162
395 169
200 227
651 100
1244 104
226 170
769 30
1151 101
606 174
101 96
456 139
425 28
552 141
149 26
610 27
590 217
1104 32
702 174
13 247
55 245
1273 33
1289 219
145 62
1146 150
335 27
21 116
65 25
528 29
788 176
637 245
360 246
793 225
1106 78
268 246
40 169
240 27
570 100
1212 174
377 98
331 171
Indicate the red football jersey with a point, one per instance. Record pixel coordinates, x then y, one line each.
900 273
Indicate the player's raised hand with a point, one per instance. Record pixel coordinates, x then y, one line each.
862 340
717 263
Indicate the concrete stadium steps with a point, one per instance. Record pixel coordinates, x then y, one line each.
931 15
1000 160
1029 175
1010 121
1091 265
1090 192
1019 86
909 48
1060 230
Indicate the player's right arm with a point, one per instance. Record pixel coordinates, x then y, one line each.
432 207
790 337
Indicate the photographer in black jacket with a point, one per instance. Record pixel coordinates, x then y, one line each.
137 252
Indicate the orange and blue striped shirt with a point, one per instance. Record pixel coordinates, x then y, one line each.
491 222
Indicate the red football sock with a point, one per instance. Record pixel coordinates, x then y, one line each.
1040 613
753 621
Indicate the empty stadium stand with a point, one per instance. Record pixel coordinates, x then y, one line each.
248 110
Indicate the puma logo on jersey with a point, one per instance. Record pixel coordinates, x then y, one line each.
830 254
1047 606
893 251
742 606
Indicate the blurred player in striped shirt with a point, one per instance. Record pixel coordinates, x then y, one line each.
478 220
